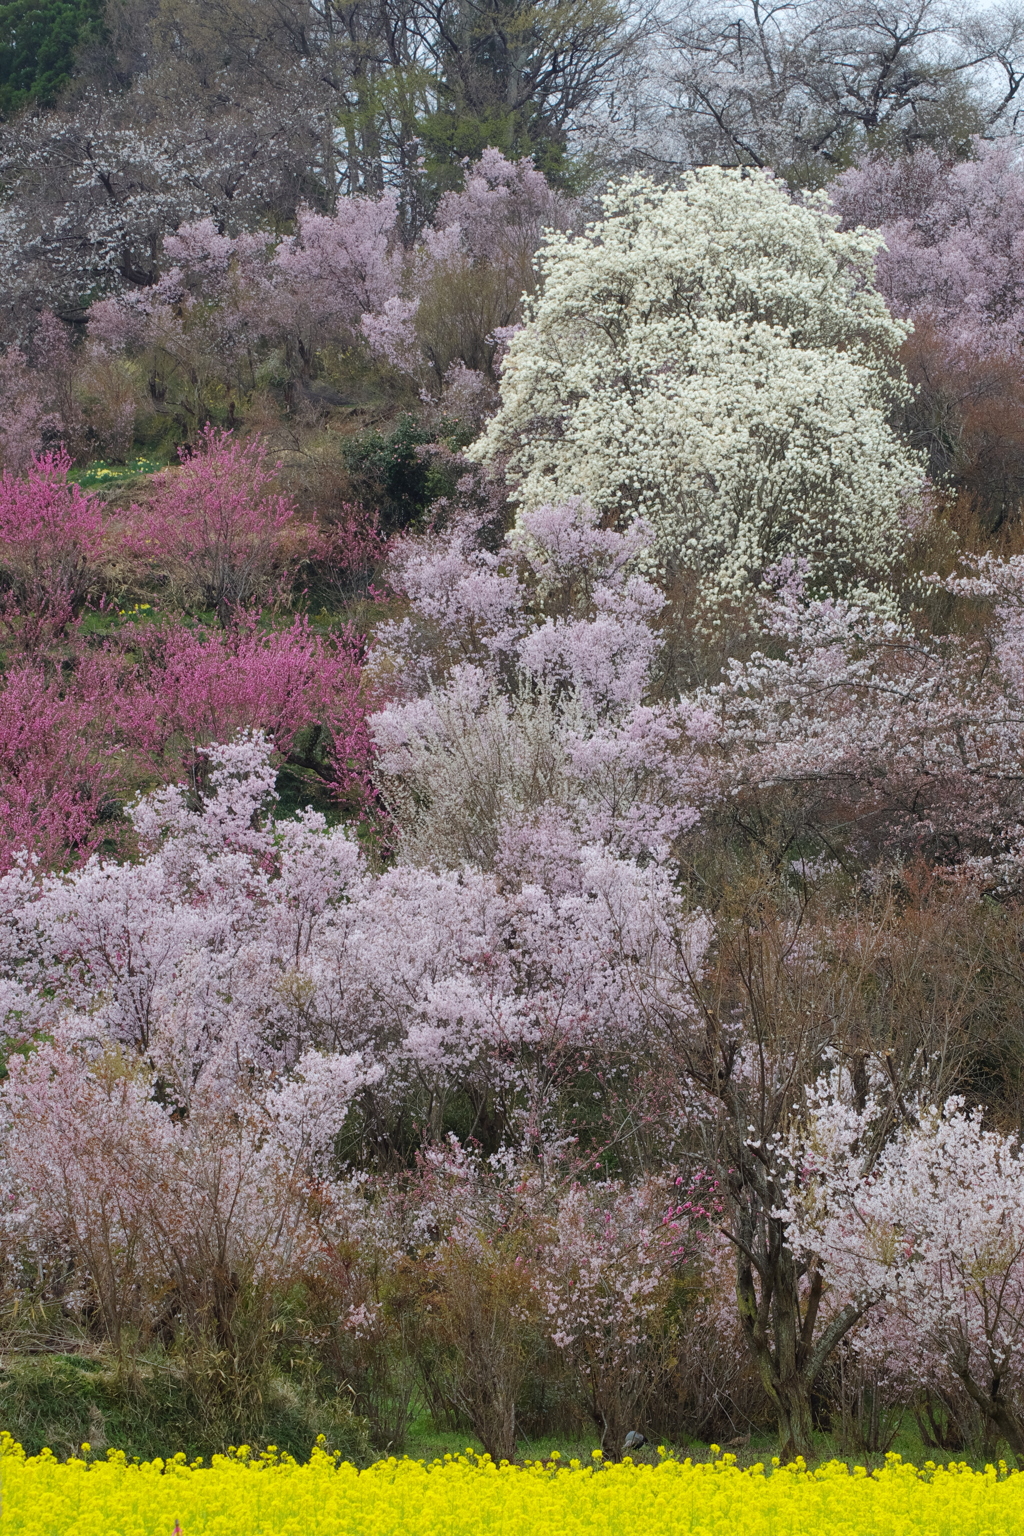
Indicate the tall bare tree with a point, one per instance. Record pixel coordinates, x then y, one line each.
804 86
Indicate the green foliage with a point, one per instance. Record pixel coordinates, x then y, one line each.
64 1400
39 40
508 75
102 473
391 475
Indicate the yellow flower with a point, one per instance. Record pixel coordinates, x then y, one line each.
270 1494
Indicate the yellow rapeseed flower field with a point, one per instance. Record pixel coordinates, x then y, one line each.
270 1495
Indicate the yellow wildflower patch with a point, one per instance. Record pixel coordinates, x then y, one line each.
271 1495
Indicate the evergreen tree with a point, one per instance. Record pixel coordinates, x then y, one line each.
39 40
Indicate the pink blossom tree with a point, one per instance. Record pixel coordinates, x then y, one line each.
332 271
606 1274
52 535
215 528
954 237
226 306
518 718
907 739
27 419
951 263
928 1223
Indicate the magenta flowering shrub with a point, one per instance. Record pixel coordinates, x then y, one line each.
73 746
215 529
51 533
90 716
58 773
192 687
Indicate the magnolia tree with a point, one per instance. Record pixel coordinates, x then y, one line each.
714 360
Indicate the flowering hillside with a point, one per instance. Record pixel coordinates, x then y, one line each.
512 857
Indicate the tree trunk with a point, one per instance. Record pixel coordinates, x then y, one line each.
997 1411
796 1421
780 1324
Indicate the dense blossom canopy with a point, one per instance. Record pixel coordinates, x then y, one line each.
538 931
716 361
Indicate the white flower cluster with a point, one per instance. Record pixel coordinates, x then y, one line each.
715 360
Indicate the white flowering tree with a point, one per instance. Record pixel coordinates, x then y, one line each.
716 361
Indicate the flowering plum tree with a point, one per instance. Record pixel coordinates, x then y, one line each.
191 688
79 740
214 527
57 772
52 535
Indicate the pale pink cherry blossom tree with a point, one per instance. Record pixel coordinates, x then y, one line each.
888 736
226 302
954 239
201 327
251 975
928 1220
479 251
168 1220
514 995
605 1277
334 270
194 957
464 281
229 947
476 1225
518 683
951 263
